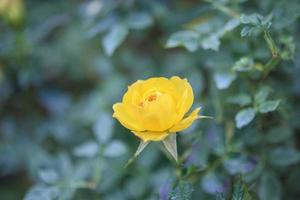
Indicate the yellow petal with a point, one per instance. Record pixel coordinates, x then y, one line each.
186 122
186 98
159 84
160 115
129 116
134 93
151 136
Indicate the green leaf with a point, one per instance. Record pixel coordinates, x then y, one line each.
269 187
243 64
268 106
188 39
240 191
266 21
256 20
103 128
284 156
252 19
224 79
230 25
246 31
212 42
183 191
262 95
170 144
115 148
139 20
113 39
49 176
244 117
44 192
86 149
240 99
288 52
255 23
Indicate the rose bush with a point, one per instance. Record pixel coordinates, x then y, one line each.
63 64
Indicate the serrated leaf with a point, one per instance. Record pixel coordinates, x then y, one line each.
254 21
170 144
268 106
112 40
183 191
244 117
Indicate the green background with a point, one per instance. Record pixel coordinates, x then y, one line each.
63 64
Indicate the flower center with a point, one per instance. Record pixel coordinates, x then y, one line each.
153 96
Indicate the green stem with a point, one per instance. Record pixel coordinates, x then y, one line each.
99 166
271 44
271 64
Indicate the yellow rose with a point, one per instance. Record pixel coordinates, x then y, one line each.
155 108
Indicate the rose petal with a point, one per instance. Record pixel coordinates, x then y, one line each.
186 122
160 115
129 116
185 93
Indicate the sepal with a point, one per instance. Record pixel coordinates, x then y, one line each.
139 150
170 144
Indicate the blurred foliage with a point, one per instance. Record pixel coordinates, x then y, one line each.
64 63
